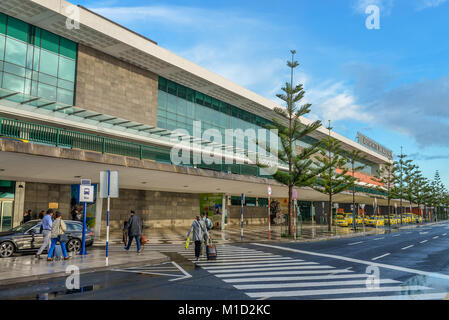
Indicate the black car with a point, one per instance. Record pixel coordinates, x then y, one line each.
27 238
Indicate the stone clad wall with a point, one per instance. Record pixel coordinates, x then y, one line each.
38 195
251 215
107 85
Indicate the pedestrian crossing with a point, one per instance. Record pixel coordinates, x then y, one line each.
169 269
263 275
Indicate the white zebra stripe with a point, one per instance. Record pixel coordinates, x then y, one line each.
309 284
271 268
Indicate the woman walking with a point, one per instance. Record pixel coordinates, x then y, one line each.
58 229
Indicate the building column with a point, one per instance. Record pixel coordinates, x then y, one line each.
19 203
98 211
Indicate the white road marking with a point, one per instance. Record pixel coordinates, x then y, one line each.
324 277
351 244
380 265
302 293
271 268
259 265
423 232
405 248
396 235
276 273
435 237
247 262
186 274
379 238
219 259
384 255
424 241
444 234
309 284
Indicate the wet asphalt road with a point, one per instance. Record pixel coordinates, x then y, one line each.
423 250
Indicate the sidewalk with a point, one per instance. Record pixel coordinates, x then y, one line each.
27 268
232 233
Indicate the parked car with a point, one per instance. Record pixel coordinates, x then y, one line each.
27 238
390 220
374 221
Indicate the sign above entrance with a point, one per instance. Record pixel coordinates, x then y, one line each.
371 144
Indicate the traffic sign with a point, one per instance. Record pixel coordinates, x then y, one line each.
269 191
86 193
109 184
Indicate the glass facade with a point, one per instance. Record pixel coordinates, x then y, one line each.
36 62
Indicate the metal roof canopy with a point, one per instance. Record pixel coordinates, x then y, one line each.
106 36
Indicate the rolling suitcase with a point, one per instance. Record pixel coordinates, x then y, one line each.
57 254
211 251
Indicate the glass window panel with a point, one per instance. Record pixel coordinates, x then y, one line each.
171 124
161 123
12 82
171 115
68 48
47 92
49 63
27 87
68 85
49 41
162 84
34 88
207 101
28 73
67 69
48 79
181 92
14 69
29 60
190 109
15 52
2 47
190 95
2 23
65 96
162 100
171 103
199 98
181 108
37 53
171 88
17 29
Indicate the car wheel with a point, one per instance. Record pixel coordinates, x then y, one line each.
74 245
6 249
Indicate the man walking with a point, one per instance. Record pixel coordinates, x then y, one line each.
199 235
134 228
47 223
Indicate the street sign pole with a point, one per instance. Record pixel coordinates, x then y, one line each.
107 219
241 219
269 213
83 251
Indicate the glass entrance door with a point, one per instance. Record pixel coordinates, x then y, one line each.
6 209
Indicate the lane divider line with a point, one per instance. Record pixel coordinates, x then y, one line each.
384 255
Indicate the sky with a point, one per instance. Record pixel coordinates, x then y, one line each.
389 83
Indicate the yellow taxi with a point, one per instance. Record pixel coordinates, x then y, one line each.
417 218
407 218
374 221
390 220
344 219
359 220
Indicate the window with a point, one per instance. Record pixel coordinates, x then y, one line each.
65 96
15 52
67 69
49 63
17 29
46 92
2 46
49 41
12 82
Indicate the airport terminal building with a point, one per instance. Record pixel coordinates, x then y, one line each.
80 94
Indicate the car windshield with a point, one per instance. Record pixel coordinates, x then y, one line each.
24 227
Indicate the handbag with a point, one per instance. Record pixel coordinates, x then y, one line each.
143 239
63 238
187 243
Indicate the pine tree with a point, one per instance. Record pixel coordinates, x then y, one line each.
354 157
301 169
387 176
400 167
334 178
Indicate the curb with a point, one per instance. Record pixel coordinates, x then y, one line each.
39 278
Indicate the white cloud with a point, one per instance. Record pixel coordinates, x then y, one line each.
385 6
424 4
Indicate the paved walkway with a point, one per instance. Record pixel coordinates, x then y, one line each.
27 268
251 233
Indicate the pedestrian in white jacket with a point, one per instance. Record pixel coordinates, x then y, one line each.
200 234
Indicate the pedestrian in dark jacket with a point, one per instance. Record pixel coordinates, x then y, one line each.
134 228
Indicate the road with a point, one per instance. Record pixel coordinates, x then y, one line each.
407 264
